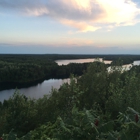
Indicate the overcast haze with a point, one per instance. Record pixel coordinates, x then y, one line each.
70 26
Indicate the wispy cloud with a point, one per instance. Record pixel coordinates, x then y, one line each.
84 15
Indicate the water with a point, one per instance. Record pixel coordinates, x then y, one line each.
37 91
65 62
136 62
45 87
126 67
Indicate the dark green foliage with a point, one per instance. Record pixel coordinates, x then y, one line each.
18 113
17 71
124 59
26 70
99 105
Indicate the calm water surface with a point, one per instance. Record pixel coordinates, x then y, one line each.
136 62
65 62
128 66
37 91
45 87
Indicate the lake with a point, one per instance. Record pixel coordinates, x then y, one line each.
136 62
38 91
66 62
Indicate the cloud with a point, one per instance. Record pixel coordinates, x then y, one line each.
82 26
84 15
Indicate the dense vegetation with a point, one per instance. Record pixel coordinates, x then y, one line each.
26 70
99 105
124 59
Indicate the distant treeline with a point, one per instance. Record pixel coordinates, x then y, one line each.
26 70
122 59
68 56
21 57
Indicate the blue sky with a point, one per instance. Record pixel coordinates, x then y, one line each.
74 26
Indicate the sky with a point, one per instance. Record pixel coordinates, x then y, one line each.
70 26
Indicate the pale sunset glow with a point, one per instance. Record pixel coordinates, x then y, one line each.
97 26
83 4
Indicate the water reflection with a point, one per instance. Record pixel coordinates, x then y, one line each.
66 62
45 87
136 62
125 67
37 91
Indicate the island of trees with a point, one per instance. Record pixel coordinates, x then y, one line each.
98 105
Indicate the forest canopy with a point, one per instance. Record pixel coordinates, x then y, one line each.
99 105
26 70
